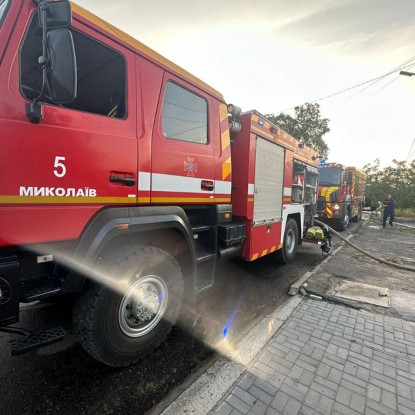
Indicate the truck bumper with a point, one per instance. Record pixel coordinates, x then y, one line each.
9 291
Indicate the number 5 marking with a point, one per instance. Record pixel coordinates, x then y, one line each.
60 166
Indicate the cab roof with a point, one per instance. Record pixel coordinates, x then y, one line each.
140 48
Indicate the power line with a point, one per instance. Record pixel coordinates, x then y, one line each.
187 108
185 131
353 87
411 154
384 86
397 68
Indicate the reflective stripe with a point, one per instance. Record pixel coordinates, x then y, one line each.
223 187
144 180
174 183
211 199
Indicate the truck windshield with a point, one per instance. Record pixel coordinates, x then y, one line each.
4 4
330 176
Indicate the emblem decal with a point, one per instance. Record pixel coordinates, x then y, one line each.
190 166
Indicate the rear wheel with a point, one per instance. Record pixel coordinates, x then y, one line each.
358 217
290 243
119 326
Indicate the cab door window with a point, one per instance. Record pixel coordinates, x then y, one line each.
184 115
101 73
4 4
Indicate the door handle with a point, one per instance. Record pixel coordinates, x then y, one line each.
207 185
127 181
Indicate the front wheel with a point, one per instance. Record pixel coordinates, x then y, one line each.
345 222
118 327
290 243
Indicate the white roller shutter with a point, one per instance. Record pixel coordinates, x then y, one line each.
269 177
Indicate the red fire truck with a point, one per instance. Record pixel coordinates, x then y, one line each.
341 194
125 180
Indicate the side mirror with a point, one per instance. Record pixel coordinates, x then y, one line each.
62 69
58 15
349 177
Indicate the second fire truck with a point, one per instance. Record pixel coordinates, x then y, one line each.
341 194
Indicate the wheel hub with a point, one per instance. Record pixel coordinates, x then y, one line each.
145 303
143 306
290 241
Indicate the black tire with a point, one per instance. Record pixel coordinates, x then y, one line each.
103 318
288 251
344 223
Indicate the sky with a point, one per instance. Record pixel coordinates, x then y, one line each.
272 55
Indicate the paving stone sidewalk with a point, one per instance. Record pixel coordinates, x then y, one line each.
330 359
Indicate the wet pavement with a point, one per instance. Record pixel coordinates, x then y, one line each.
328 359
395 244
63 378
353 354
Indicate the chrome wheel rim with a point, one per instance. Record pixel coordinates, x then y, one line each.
143 306
346 220
290 241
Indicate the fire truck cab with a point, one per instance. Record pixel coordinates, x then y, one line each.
125 180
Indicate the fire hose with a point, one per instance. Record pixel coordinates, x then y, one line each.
383 261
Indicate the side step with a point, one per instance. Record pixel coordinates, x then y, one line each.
41 291
34 341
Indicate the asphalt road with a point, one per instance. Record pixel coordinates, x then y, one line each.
63 379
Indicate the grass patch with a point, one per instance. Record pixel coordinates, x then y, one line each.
405 213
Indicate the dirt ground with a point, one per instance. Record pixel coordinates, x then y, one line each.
349 267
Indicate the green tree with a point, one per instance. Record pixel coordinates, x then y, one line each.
397 180
307 126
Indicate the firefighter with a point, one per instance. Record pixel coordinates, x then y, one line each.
388 210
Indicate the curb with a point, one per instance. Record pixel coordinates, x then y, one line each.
302 280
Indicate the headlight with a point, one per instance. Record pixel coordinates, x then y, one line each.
336 206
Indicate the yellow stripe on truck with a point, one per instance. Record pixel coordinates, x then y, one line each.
226 168
12 200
